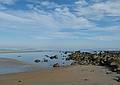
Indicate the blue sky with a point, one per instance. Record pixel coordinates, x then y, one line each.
60 24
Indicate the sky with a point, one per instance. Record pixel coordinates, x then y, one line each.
60 24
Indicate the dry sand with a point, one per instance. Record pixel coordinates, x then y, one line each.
73 75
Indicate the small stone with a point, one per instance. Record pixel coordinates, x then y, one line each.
86 79
20 82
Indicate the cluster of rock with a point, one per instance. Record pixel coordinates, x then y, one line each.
46 60
52 57
110 59
38 60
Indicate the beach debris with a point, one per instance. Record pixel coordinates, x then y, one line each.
37 60
56 65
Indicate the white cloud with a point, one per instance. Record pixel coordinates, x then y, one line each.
30 21
81 3
7 1
56 35
48 24
114 37
97 11
62 15
107 29
111 7
67 19
59 18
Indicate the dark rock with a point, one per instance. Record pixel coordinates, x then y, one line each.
108 72
45 60
118 70
110 59
54 57
47 56
37 60
65 52
118 78
56 65
74 63
86 79
64 56
67 59
20 82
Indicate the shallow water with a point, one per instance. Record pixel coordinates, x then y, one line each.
30 57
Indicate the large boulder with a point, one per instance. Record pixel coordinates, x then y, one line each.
114 66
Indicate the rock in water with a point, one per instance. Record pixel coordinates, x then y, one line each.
37 61
54 57
45 60
56 65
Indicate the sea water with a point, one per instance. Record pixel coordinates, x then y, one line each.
30 57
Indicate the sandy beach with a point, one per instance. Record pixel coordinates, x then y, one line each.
73 75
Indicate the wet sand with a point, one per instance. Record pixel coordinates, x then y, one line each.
9 61
8 65
73 75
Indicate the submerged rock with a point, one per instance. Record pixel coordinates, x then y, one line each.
47 56
19 56
45 60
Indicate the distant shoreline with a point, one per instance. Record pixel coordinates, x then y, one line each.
23 51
